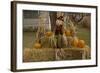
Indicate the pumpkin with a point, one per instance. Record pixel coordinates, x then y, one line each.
75 41
67 33
49 33
81 44
37 45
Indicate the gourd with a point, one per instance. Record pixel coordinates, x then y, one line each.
67 33
49 33
81 44
37 45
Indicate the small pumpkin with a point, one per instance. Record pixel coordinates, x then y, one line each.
37 45
67 33
49 33
75 41
81 44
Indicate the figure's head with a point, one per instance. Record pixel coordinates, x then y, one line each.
61 18
59 22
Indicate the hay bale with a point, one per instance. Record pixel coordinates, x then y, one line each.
27 53
44 54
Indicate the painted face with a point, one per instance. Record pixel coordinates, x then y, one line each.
59 22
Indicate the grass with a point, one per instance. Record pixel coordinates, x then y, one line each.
28 39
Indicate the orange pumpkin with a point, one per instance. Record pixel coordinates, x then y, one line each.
37 45
48 34
67 33
81 44
75 41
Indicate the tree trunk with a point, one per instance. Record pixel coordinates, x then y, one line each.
53 16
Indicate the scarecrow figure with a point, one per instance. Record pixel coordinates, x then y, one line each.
61 40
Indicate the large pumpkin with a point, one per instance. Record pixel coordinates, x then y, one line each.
37 45
48 34
75 41
81 44
67 33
